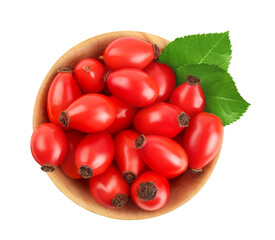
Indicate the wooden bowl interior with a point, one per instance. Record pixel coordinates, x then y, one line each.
183 188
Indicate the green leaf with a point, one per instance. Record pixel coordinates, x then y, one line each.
213 48
221 95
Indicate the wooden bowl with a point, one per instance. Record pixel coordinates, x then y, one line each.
183 188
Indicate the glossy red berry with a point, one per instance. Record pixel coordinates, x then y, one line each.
49 146
89 74
150 191
109 189
94 154
165 78
162 155
124 115
127 157
162 119
129 52
133 86
202 140
90 113
62 92
189 96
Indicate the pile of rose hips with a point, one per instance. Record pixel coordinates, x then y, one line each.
127 110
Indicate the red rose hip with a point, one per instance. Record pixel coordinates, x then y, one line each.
94 154
189 96
133 86
162 155
129 52
89 74
109 189
161 119
62 92
68 164
90 113
49 146
127 157
202 140
150 191
124 115
165 78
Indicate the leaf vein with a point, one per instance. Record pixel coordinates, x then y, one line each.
211 49
225 98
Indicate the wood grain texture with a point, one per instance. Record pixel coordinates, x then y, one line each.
183 188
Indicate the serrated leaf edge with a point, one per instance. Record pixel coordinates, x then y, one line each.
226 33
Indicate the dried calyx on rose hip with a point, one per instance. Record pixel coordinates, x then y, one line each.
109 189
150 191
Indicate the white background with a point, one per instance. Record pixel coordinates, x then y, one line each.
238 200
